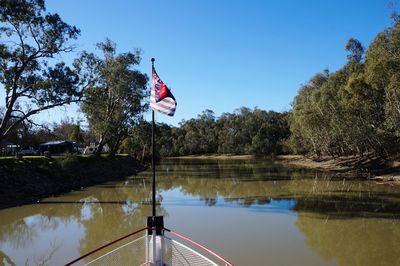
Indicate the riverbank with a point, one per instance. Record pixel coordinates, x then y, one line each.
350 167
366 168
32 178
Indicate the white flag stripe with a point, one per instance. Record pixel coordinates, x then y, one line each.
164 110
153 106
167 111
161 105
166 106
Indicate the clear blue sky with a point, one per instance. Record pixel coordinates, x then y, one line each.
224 54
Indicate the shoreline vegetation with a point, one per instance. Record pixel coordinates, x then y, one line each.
350 166
32 178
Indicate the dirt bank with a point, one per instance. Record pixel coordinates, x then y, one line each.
30 179
367 169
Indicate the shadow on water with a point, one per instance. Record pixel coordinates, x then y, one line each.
120 202
360 241
328 211
250 184
349 207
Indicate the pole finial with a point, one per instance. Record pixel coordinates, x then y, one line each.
152 60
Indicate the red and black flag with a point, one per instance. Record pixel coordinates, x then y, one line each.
161 98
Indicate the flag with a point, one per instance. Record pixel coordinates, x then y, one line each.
161 98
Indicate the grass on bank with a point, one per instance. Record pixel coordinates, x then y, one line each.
67 162
60 156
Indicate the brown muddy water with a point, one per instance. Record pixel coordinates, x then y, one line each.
253 212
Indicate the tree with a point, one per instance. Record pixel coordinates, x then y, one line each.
356 110
392 90
308 118
272 130
356 50
244 132
69 130
114 103
138 142
33 82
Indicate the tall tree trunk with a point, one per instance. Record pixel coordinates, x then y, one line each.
114 148
99 147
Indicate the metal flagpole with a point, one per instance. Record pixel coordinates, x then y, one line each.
153 165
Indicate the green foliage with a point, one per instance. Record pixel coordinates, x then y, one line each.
356 50
354 111
244 132
115 100
69 162
76 134
138 142
272 132
30 39
68 130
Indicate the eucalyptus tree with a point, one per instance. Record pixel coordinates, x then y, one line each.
31 77
272 130
385 72
69 129
390 52
356 111
308 117
245 131
115 101
207 136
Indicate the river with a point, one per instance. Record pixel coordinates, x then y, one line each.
253 212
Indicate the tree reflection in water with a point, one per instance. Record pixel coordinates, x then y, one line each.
356 241
102 214
249 183
331 213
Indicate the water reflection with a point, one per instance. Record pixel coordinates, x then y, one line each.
79 221
254 183
357 241
329 215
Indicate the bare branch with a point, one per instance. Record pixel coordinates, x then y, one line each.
34 37
35 111
19 111
30 96
35 124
